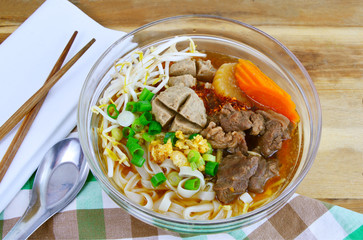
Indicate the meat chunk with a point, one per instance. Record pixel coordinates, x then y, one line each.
271 140
265 171
182 68
162 113
181 109
233 176
175 97
181 124
205 70
193 109
183 80
233 120
276 130
234 141
272 115
258 124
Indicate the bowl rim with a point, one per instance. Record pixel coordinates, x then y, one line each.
288 191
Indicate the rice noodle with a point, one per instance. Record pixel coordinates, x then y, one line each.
207 194
164 203
187 214
130 189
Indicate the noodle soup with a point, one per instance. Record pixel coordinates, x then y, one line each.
196 135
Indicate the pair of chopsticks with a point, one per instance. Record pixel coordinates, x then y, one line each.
31 107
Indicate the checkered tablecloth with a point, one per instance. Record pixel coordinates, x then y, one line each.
93 215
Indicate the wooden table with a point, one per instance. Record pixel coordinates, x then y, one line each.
327 37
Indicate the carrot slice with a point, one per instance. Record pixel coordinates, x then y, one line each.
264 90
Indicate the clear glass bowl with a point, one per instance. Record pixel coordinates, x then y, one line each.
224 36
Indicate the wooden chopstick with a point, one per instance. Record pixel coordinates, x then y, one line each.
33 100
29 118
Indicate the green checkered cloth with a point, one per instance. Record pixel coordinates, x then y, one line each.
93 215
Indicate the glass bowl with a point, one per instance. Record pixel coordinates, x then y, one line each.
224 36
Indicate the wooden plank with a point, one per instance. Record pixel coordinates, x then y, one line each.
113 13
352 204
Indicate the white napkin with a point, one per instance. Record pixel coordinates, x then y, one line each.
26 59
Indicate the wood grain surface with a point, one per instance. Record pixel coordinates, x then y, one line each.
326 36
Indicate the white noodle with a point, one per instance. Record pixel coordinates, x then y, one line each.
187 214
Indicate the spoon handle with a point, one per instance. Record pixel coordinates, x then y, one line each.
33 217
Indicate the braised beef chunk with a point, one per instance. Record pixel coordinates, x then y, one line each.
233 120
258 124
270 115
271 140
220 139
265 171
233 175
227 127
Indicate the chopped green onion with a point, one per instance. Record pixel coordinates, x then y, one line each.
143 106
171 136
210 148
116 133
149 96
112 111
146 118
192 136
158 179
125 118
154 128
147 137
137 126
192 184
127 132
194 159
219 155
136 150
193 166
193 156
146 95
174 178
211 168
132 107
131 141
138 161
209 157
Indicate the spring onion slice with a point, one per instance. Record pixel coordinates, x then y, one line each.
138 160
174 178
158 179
154 128
112 111
211 168
125 118
192 184
209 157
128 132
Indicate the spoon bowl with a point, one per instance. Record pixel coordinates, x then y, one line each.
60 176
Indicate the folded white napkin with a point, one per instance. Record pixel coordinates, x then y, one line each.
26 59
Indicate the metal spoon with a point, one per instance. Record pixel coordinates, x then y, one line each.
59 178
